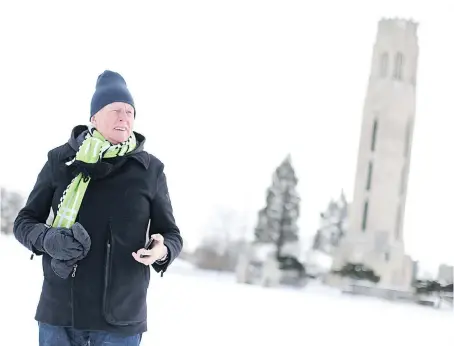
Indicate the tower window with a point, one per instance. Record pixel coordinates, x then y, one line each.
398 66
384 65
398 221
369 176
374 134
365 214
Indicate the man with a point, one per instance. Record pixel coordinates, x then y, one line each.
107 195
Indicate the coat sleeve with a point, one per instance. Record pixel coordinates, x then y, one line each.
29 225
162 221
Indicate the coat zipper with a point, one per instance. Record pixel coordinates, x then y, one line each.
74 271
72 300
106 276
73 277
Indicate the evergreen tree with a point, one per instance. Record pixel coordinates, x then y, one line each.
277 221
357 271
431 287
333 223
444 292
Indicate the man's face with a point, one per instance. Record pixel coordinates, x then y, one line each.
115 122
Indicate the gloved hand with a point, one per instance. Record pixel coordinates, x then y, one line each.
66 243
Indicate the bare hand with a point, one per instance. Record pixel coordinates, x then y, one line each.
158 251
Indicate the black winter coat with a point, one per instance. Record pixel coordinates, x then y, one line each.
109 288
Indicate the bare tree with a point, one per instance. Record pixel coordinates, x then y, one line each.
223 241
10 204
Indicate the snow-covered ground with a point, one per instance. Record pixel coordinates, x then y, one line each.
188 306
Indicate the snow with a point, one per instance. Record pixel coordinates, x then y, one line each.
189 306
317 262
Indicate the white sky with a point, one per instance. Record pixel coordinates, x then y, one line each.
224 90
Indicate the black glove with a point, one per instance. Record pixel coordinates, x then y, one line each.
66 243
66 246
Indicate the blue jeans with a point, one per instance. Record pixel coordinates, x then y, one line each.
67 336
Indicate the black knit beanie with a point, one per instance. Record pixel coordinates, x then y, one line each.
110 87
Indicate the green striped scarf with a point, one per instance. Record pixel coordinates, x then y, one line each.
94 148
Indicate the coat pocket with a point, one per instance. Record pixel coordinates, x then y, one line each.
126 281
49 273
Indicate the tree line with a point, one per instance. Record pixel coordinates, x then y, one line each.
277 226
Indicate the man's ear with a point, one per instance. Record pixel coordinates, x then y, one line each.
93 120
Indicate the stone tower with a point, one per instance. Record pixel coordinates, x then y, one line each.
376 214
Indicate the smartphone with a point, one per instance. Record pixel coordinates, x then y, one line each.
148 246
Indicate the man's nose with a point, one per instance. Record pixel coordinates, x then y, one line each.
122 114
